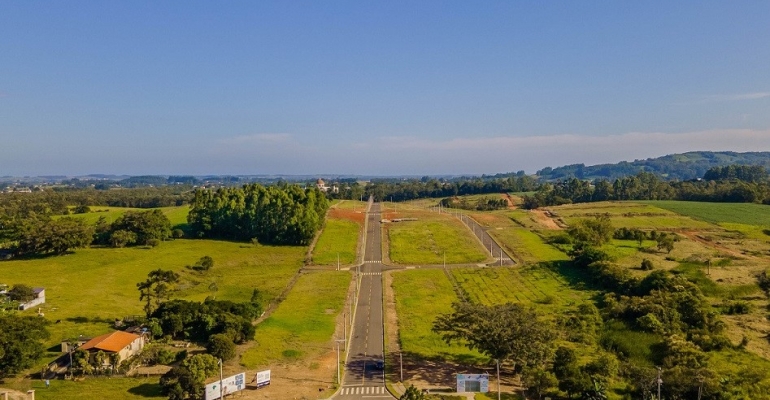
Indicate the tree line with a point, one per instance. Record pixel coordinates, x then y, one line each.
280 214
647 186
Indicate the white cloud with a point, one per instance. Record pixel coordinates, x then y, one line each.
258 138
720 98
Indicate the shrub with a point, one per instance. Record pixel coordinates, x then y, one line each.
221 346
647 265
177 234
153 242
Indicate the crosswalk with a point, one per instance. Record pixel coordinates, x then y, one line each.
372 262
363 390
371 273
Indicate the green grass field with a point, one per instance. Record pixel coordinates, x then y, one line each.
740 213
303 324
93 388
177 215
432 236
527 246
528 285
421 295
88 289
339 237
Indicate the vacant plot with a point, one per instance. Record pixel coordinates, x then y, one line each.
88 289
421 295
535 284
338 242
431 238
740 213
303 324
527 246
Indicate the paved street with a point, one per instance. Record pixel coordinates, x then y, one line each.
363 378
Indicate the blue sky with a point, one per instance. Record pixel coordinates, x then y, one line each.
336 87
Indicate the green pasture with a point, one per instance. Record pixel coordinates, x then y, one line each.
740 213
428 239
86 290
421 295
177 215
748 231
530 285
304 323
339 237
92 388
613 208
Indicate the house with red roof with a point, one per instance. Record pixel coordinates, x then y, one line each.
123 343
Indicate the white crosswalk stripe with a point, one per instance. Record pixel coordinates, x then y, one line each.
372 262
346 391
372 273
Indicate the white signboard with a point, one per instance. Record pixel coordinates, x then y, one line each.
467 383
262 378
226 386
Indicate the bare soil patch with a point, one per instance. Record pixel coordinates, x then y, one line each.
543 218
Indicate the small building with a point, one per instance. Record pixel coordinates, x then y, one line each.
123 343
72 344
37 300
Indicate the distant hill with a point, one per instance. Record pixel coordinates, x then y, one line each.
683 166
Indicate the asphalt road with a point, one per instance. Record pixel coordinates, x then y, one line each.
363 379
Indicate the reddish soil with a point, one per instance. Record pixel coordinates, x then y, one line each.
355 216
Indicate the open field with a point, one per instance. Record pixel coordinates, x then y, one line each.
432 236
340 235
177 215
88 289
527 246
92 388
716 213
304 323
630 215
421 295
528 285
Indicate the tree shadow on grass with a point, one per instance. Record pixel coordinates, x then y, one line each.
439 372
146 390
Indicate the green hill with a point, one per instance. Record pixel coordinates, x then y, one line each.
685 166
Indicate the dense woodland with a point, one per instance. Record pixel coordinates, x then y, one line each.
283 214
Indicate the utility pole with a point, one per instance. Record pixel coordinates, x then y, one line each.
221 395
444 259
401 362
498 379
338 261
501 256
708 267
660 381
338 358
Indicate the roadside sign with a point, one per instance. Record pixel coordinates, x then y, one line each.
468 383
262 378
228 385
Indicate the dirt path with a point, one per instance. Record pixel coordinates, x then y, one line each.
543 218
693 235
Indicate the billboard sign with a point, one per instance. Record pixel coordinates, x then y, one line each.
262 378
226 386
468 383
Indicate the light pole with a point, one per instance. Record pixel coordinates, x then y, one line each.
338 358
660 381
401 363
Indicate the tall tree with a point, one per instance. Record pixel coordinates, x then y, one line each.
506 332
156 288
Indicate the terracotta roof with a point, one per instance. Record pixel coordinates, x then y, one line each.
113 342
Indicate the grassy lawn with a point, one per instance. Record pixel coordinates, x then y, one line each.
741 213
340 234
303 324
426 240
421 295
630 215
93 388
88 289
